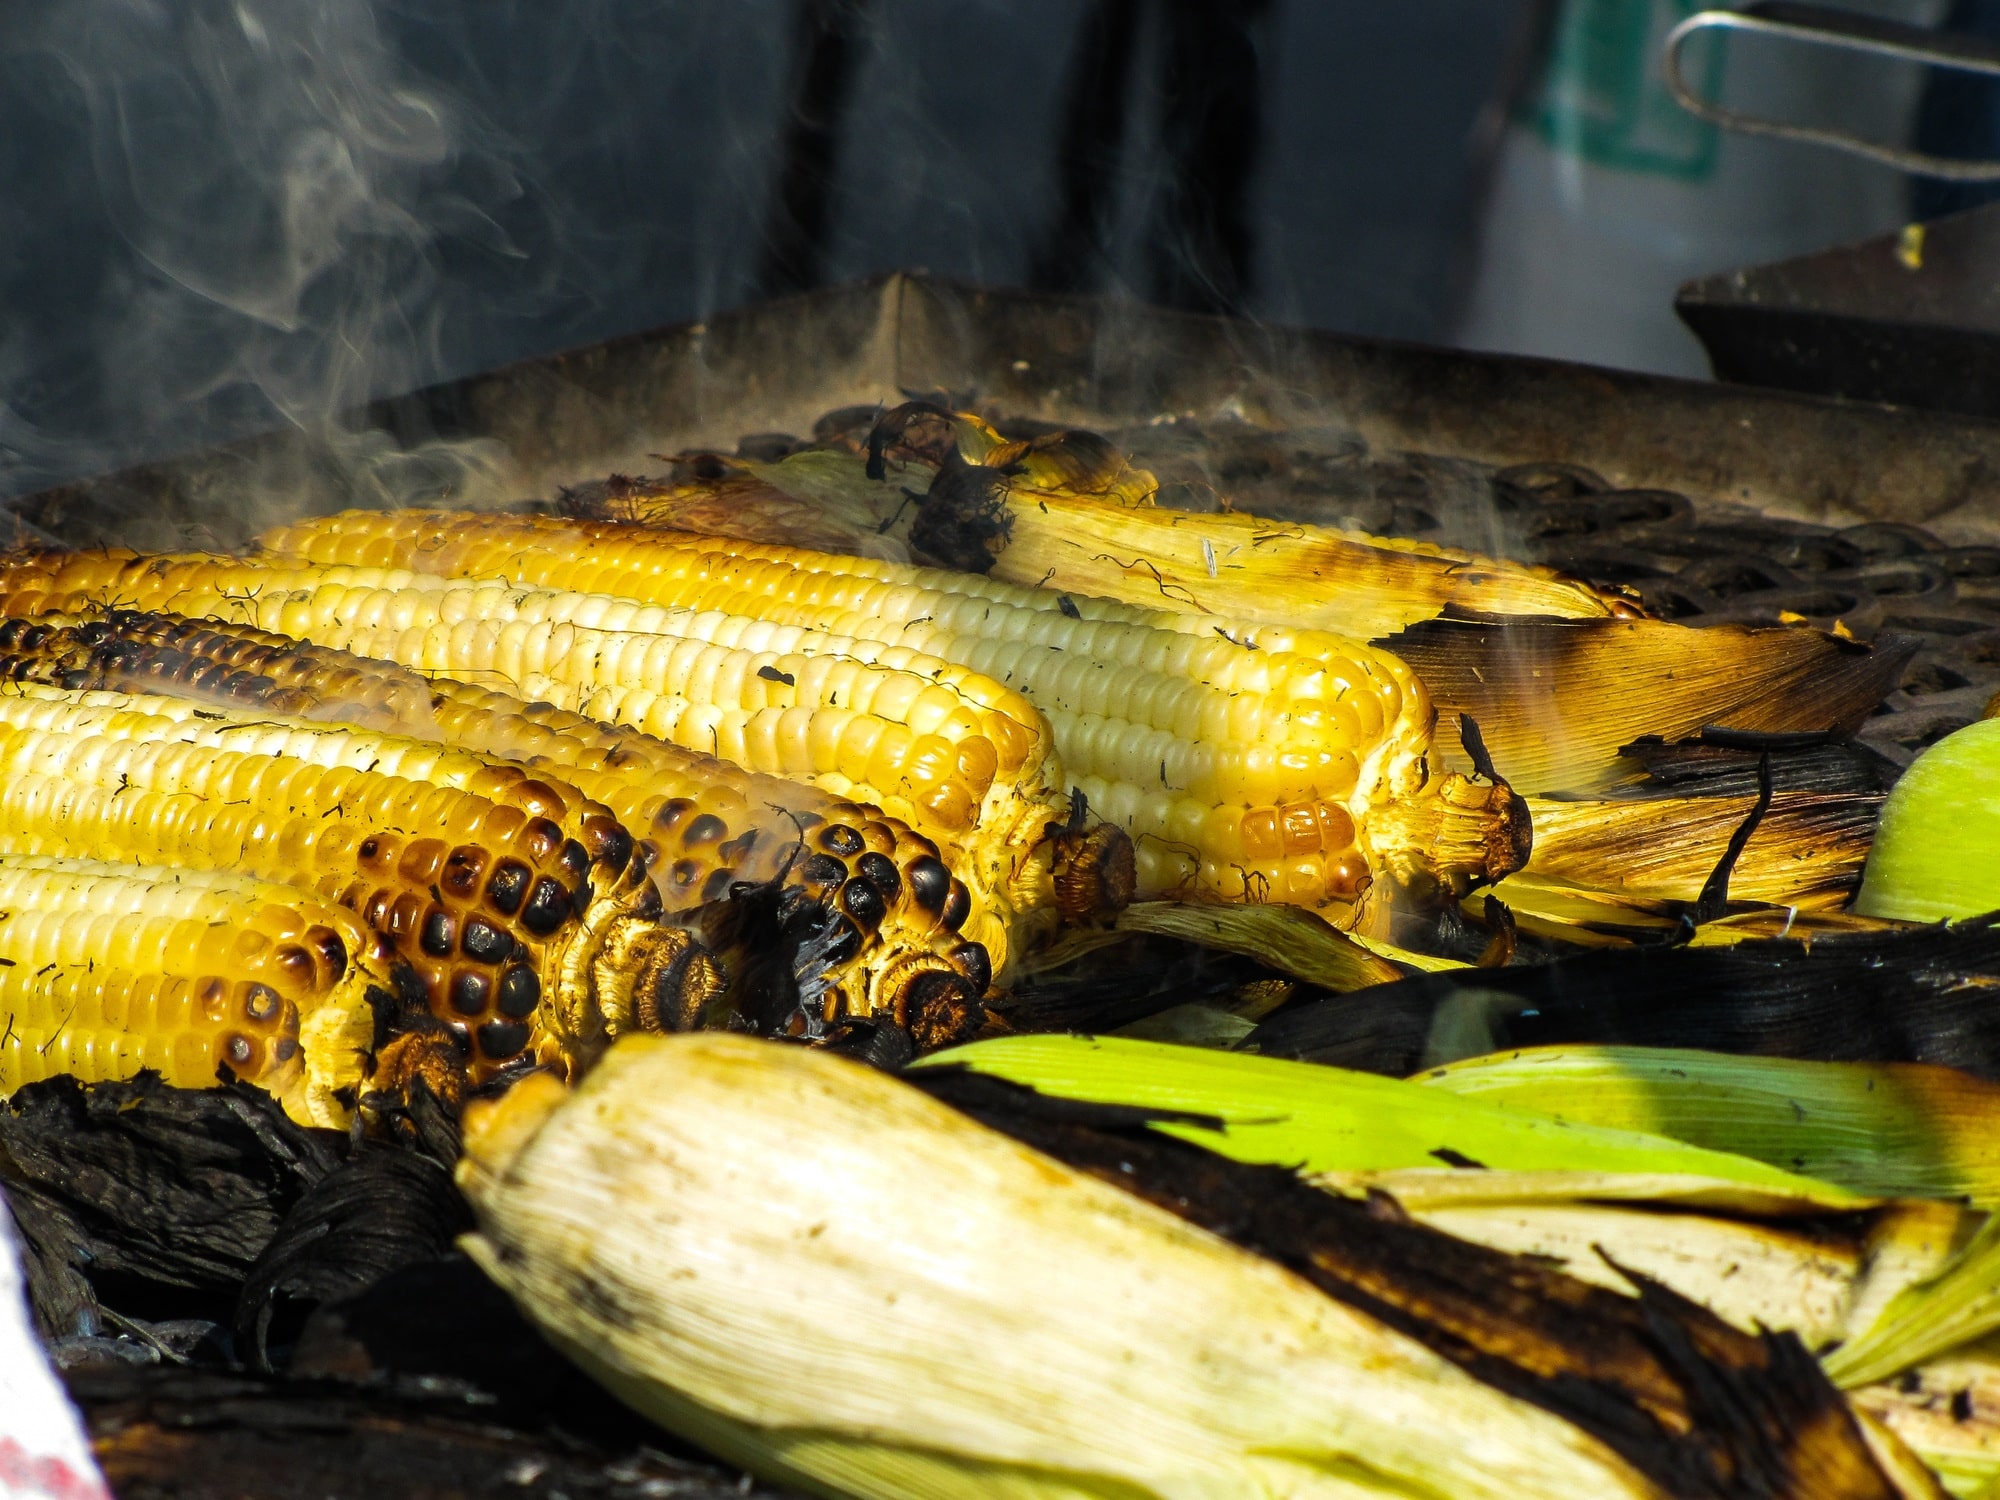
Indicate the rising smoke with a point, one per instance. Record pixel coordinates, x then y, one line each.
237 215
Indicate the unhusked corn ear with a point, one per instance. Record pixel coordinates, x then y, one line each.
1933 854
919 736
703 824
107 969
483 893
1073 1327
1244 760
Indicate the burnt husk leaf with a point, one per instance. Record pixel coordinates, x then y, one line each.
1917 995
1698 1406
161 1199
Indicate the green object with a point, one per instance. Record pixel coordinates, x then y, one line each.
1891 1129
1332 1121
1936 855
1603 97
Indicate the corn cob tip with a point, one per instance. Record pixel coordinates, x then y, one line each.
1095 871
664 979
1459 833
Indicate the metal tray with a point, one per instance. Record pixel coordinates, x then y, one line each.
535 426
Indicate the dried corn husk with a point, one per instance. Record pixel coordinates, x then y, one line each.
1807 850
1249 568
830 1278
1948 1411
1891 1129
1933 854
1557 700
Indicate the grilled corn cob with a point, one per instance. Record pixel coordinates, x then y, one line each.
523 909
1246 762
107 969
943 748
929 985
704 825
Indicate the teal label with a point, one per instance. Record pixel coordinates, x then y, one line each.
1603 95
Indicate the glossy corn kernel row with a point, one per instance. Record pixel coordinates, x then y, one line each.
1244 761
108 969
489 902
914 735
703 824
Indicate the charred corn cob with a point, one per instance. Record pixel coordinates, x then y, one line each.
107 969
925 978
1253 762
703 825
928 741
523 910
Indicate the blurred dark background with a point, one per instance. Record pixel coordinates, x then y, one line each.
217 215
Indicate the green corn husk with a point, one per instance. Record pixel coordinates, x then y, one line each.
1933 856
1358 1129
839 1282
1584 1195
1888 1129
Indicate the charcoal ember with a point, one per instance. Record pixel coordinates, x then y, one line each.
154 1200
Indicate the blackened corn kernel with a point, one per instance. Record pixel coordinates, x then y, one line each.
508 886
673 812
705 829
439 933
930 883
500 1040
861 901
470 992
520 992
880 871
838 839
957 907
462 870
547 909
484 943
822 870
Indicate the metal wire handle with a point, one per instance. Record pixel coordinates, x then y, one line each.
1849 32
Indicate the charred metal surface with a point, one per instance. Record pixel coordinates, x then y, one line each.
1698 1406
1911 317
